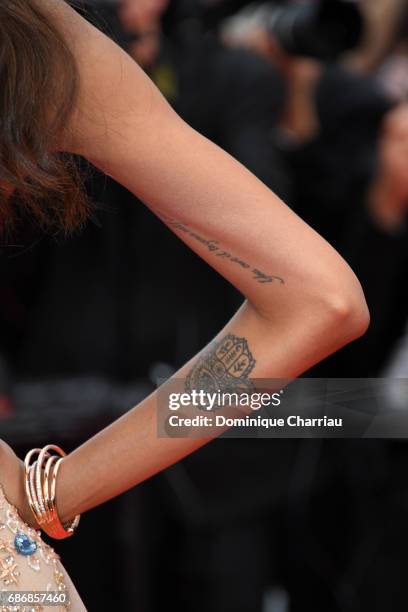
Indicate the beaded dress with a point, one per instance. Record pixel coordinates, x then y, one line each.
28 564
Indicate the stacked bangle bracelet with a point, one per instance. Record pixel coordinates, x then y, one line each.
40 484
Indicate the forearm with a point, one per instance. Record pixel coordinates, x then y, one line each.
129 451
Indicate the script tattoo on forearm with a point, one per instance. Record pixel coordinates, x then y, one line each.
225 367
214 247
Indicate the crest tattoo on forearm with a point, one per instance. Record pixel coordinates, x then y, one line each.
225 367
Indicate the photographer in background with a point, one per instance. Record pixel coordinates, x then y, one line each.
343 139
230 96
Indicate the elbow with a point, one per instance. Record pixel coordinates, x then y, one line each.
315 324
347 314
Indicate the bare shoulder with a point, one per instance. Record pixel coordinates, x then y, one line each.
68 21
112 89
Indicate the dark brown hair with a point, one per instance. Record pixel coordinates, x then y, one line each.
39 83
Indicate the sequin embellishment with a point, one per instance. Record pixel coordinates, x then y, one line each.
24 546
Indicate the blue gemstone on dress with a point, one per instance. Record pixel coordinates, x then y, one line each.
23 545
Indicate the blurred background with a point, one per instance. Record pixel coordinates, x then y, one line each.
312 96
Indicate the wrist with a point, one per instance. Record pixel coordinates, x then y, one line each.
65 504
41 470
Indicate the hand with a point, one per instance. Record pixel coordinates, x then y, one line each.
388 197
12 481
394 150
141 15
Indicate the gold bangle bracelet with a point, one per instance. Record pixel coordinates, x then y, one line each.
40 483
47 501
27 480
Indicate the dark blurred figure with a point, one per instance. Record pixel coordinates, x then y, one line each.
231 96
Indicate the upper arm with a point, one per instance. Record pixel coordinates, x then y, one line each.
126 128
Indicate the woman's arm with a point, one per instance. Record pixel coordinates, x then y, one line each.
302 301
